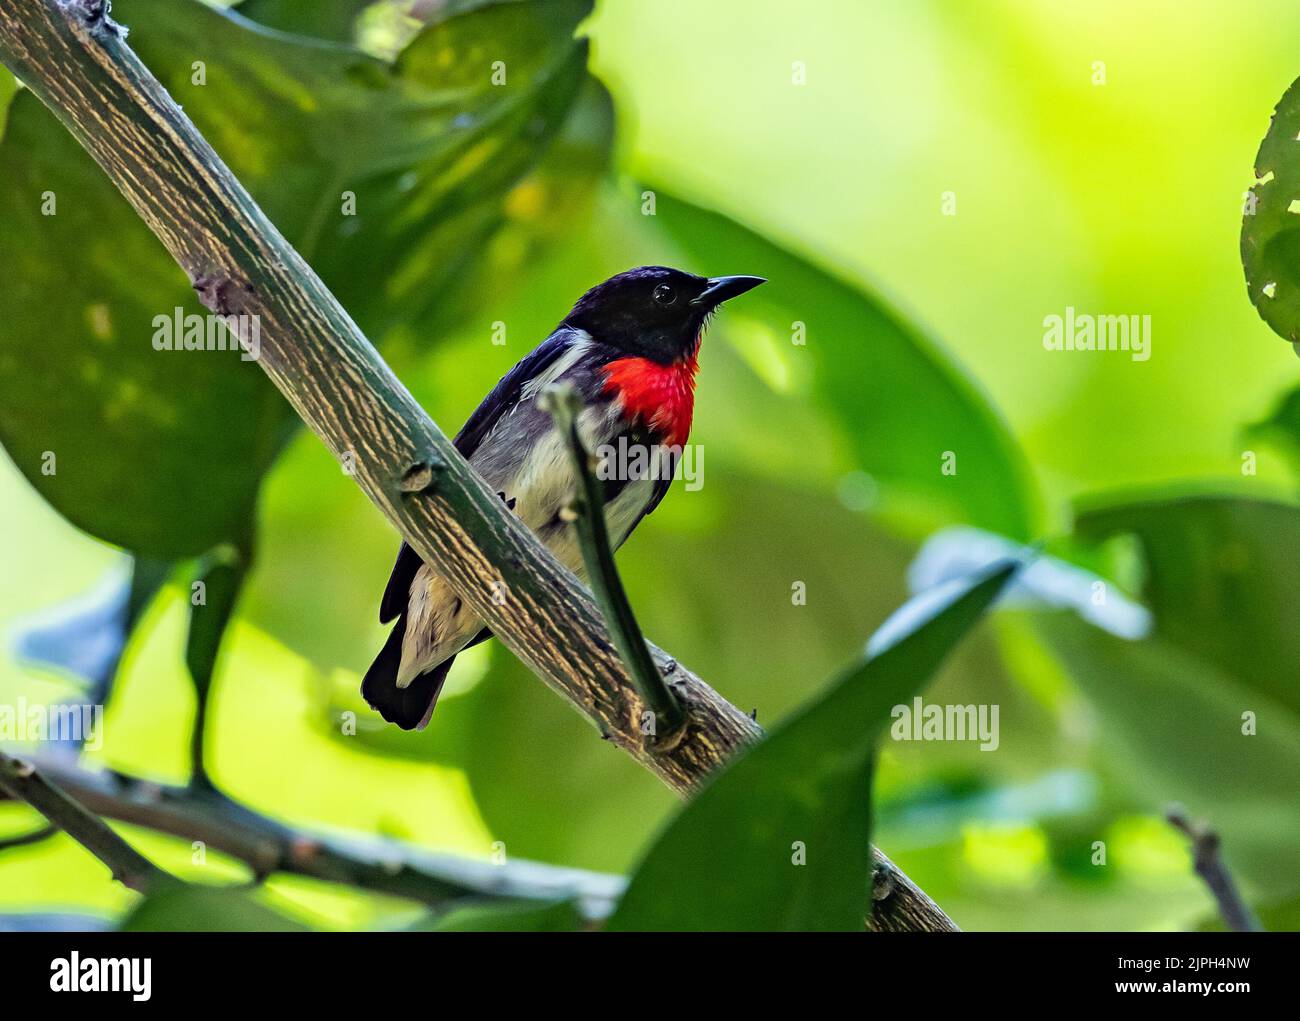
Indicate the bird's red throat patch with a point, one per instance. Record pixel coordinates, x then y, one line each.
660 396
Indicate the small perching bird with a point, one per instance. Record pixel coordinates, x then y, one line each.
628 348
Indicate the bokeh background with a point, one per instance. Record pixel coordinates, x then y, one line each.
1097 156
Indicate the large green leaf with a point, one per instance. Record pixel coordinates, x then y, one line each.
902 402
162 452
729 859
1221 575
157 451
1270 227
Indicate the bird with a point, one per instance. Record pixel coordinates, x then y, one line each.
629 348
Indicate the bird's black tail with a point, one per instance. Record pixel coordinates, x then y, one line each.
409 707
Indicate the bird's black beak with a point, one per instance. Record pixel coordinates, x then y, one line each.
722 288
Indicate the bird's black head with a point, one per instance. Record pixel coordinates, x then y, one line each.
654 312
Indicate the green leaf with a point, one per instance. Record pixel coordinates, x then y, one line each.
1218 570
1281 428
162 452
725 862
560 916
1270 226
901 401
1172 728
157 451
205 909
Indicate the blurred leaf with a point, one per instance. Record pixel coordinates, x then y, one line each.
1172 725
1270 229
1281 428
725 862
561 916
901 401
1220 573
86 635
322 19
205 909
429 148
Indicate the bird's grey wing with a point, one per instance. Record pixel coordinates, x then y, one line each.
503 397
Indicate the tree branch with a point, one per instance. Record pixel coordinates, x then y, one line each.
1208 863
564 406
21 780
77 62
267 846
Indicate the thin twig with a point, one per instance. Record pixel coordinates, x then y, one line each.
1208 862
564 405
22 781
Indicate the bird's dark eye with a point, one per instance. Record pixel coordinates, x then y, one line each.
665 295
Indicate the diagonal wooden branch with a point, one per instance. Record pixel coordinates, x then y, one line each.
21 780
77 62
